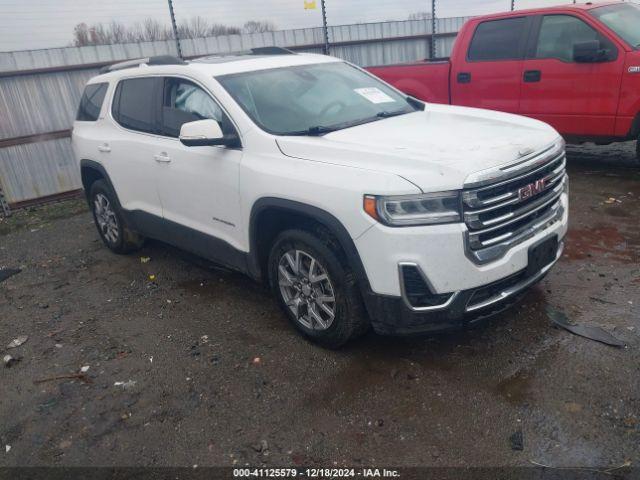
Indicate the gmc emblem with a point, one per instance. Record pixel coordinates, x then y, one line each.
532 189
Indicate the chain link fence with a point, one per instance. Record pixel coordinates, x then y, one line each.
41 24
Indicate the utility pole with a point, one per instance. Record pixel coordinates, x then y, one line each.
433 29
175 28
325 29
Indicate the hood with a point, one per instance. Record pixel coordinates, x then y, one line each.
435 149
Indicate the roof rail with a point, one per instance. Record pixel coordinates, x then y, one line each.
271 51
157 60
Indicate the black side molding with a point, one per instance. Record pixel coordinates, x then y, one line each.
92 165
321 216
188 239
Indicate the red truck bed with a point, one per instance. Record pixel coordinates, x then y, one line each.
427 80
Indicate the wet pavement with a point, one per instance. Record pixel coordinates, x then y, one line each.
198 366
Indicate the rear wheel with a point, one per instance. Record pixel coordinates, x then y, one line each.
315 289
109 220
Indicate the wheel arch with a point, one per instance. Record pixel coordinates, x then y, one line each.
634 129
90 172
290 214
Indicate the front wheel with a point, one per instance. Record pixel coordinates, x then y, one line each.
316 290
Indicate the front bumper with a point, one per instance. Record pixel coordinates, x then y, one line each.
441 253
395 316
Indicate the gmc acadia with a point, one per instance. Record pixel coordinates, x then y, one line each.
357 205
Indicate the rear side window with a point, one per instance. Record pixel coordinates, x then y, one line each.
498 40
91 102
134 105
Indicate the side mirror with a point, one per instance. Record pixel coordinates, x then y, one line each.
589 52
202 133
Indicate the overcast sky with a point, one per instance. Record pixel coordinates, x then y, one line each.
30 24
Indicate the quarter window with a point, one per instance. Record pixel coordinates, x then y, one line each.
91 102
134 105
498 40
559 33
184 102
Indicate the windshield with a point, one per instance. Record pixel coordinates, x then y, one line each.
622 19
313 99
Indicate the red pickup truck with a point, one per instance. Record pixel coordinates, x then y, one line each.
576 67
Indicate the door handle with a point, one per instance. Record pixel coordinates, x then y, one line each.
104 148
532 76
464 77
162 158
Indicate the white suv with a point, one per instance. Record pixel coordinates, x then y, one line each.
357 205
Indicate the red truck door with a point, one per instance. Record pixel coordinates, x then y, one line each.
487 75
576 98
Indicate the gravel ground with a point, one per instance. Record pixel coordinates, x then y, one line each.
200 367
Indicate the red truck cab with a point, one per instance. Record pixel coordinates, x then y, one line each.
576 67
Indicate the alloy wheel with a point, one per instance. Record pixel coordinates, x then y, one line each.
306 289
106 218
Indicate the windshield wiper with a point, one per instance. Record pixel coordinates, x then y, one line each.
314 131
320 130
387 114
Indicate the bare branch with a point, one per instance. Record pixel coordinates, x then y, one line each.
151 30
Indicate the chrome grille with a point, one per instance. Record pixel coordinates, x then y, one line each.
507 212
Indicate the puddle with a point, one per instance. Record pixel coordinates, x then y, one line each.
605 241
515 389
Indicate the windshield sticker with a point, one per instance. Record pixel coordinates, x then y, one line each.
374 95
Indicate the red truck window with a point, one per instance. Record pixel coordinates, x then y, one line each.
559 33
498 40
622 19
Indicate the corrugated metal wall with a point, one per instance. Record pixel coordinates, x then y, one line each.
40 103
36 170
40 90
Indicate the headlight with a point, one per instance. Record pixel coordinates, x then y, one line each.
405 210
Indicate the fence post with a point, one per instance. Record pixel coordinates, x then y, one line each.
175 28
513 5
433 29
325 29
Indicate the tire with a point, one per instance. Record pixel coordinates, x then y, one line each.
109 220
302 301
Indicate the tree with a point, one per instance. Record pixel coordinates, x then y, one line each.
151 30
198 27
258 26
81 35
420 16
